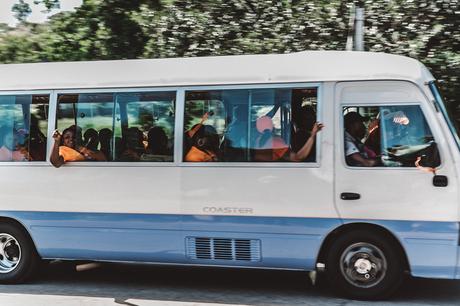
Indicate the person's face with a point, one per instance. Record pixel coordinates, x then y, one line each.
208 142
202 143
359 130
68 139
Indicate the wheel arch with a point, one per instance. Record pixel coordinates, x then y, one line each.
348 227
20 225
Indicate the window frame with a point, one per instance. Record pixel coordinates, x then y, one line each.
341 137
178 125
115 91
251 164
49 130
440 104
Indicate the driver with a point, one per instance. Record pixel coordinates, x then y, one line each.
356 153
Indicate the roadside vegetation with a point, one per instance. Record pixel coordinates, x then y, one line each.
428 30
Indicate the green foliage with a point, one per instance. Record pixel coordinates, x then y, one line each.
221 27
21 10
428 30
49 4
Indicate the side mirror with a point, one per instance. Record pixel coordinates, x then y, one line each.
428 161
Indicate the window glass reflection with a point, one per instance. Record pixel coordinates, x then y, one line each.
255 125
125 127
388 136
23 127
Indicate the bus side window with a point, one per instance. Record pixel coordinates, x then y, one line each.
205 121
250 125
121 127
85 115
388 136
147 126
23 127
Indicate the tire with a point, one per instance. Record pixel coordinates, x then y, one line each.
18 257
364 266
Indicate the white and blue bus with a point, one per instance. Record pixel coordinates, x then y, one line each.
221 161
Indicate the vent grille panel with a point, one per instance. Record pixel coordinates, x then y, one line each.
223 249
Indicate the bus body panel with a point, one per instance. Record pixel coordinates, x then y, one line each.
91 189
309 66
393 193
160 212
425 217
284 192
241 191
285 243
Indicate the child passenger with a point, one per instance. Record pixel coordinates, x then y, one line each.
204 142
66 149
10 150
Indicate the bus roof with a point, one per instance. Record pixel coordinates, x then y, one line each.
308 66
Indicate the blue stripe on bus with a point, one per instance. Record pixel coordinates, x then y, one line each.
286 243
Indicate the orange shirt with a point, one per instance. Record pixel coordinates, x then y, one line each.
196 155
70 154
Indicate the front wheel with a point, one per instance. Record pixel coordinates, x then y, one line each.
18 257
364 265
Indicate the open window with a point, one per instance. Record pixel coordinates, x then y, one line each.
250 125
23 126
122 127
388 136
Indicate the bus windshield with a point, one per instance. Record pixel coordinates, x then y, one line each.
448 113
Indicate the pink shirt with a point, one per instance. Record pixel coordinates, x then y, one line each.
7 155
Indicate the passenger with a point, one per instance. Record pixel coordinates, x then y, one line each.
10 149
236 137
78 136
157 146
105 138
133 145
91 139
205 144
66 149
188 135
356 153
157 141
91 143
37 141
373 141
270 147
307 149
303 134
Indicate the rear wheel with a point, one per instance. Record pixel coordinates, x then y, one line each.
364 265
18 257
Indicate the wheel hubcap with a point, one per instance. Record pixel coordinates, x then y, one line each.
10 253
363 265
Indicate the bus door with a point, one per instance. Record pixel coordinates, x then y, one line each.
393 169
